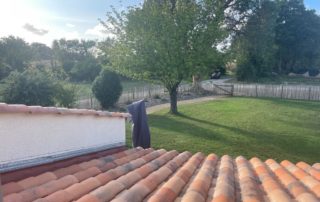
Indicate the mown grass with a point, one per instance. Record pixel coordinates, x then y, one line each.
265 128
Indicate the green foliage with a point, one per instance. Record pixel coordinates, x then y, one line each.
15 54
107 88
255 46
68 52
65 95
36 87
298 37
85 70
31 87
168 40
281 36
41 52
5 70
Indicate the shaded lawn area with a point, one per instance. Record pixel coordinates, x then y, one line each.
265 128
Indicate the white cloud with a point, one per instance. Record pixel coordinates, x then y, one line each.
38 31
34 24
98 32
70 25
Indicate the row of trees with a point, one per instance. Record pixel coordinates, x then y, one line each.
67 59
36 74
281 36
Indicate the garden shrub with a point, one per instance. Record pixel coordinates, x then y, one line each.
36 87
107 88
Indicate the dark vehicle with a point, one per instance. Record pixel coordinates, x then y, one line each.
215 75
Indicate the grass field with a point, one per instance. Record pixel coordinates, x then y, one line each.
266 128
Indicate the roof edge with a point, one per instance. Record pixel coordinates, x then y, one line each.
21 108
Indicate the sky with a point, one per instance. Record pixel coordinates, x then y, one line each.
45 20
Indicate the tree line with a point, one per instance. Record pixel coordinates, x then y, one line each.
280 37
35 74
67 59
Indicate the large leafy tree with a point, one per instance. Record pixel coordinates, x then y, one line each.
77 58
297 36
255 46
69 52
40 52
15 54
168 40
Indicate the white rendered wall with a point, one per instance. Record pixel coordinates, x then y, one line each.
28 137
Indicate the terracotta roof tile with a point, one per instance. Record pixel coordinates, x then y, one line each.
157 175
311 170
294 186
19 108
316 166
307 180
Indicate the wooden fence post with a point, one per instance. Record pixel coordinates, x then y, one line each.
256 90
309 98
232 89
90 101
281 91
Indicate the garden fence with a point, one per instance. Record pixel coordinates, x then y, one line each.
131 95
298 92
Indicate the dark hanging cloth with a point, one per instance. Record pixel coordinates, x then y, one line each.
140 128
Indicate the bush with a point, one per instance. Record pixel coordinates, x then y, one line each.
107 88
65 95
313 72
246 72
35 87
86 70
32 87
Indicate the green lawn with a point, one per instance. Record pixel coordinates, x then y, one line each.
266 128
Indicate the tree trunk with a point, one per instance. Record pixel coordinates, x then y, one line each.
173 100
196 85
196 82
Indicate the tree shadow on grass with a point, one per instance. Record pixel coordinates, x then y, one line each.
297 104
266 142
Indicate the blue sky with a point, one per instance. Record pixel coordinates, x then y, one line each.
45 20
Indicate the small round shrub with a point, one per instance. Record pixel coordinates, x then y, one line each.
107 88
313 72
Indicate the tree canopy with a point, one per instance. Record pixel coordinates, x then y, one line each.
279 37
168 40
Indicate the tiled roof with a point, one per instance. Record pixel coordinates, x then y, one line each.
159 175
19 108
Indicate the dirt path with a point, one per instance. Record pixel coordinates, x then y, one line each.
183 102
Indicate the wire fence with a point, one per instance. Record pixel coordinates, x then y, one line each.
131 95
